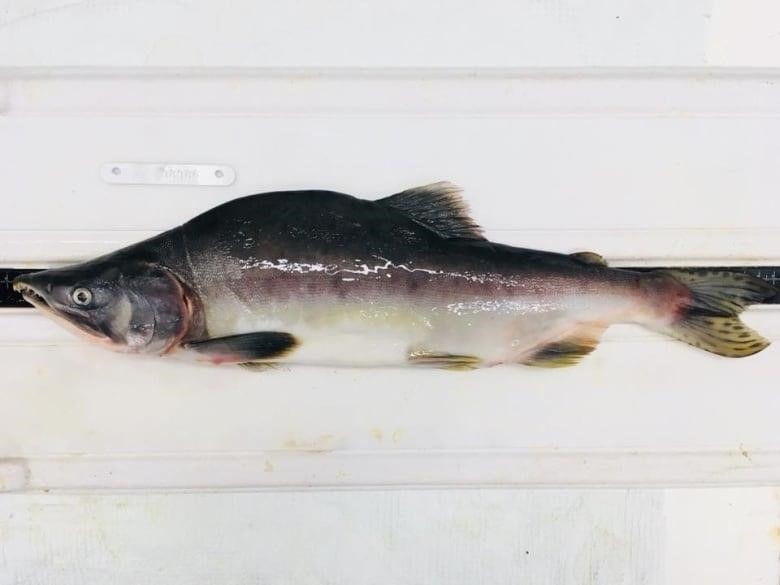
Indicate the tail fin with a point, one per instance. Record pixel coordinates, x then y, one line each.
708 317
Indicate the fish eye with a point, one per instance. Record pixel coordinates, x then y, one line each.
81 296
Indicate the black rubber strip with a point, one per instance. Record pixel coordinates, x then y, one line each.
11 299
8 297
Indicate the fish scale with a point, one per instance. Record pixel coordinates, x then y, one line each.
10 299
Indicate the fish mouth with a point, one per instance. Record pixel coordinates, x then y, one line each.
30 295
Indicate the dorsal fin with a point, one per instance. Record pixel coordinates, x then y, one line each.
439 207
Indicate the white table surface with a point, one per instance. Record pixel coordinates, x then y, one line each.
649 132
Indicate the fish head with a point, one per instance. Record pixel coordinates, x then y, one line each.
129 306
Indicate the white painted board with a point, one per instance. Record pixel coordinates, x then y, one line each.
405 33
652 169
461 537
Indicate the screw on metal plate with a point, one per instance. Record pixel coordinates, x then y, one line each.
124 173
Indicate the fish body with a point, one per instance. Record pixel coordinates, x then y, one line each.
319 277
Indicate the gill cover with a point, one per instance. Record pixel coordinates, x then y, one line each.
160 312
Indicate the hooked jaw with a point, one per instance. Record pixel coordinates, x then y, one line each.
132 308
38 294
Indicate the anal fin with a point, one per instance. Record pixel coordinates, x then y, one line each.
247 347
259 366
567 351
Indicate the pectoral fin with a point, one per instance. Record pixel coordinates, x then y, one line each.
263 345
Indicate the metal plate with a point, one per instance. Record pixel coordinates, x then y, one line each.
126 173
